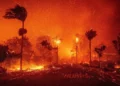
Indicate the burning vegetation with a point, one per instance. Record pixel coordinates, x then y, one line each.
92 60
84 56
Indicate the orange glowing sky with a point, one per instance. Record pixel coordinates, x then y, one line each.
64 18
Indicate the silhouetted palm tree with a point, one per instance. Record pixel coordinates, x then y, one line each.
99 51
20 13
116 44
46 44
90 35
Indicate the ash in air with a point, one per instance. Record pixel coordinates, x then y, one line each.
62 41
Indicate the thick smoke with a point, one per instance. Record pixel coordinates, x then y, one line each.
65 18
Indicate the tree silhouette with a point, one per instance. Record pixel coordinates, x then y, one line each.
20 13
46 44
90 35
99 51
116 44
3 53
16 42
14 45
44 47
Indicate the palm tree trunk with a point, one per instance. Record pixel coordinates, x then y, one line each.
90 51
76 54
21 48
99 63
57 56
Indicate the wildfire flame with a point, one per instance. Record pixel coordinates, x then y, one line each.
117 66
27 68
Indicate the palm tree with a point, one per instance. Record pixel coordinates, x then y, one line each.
46 44
99 51
116 44
90 35
20 13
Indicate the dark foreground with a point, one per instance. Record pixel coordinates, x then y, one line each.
64 76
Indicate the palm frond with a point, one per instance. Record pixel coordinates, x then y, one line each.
9 15
18 12
90 34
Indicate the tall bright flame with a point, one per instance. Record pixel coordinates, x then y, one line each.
27 67
57 42
77 39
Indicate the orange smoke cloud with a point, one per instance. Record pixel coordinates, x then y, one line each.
64 18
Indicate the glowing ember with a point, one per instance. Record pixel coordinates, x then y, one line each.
117 66
86 62
37 68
